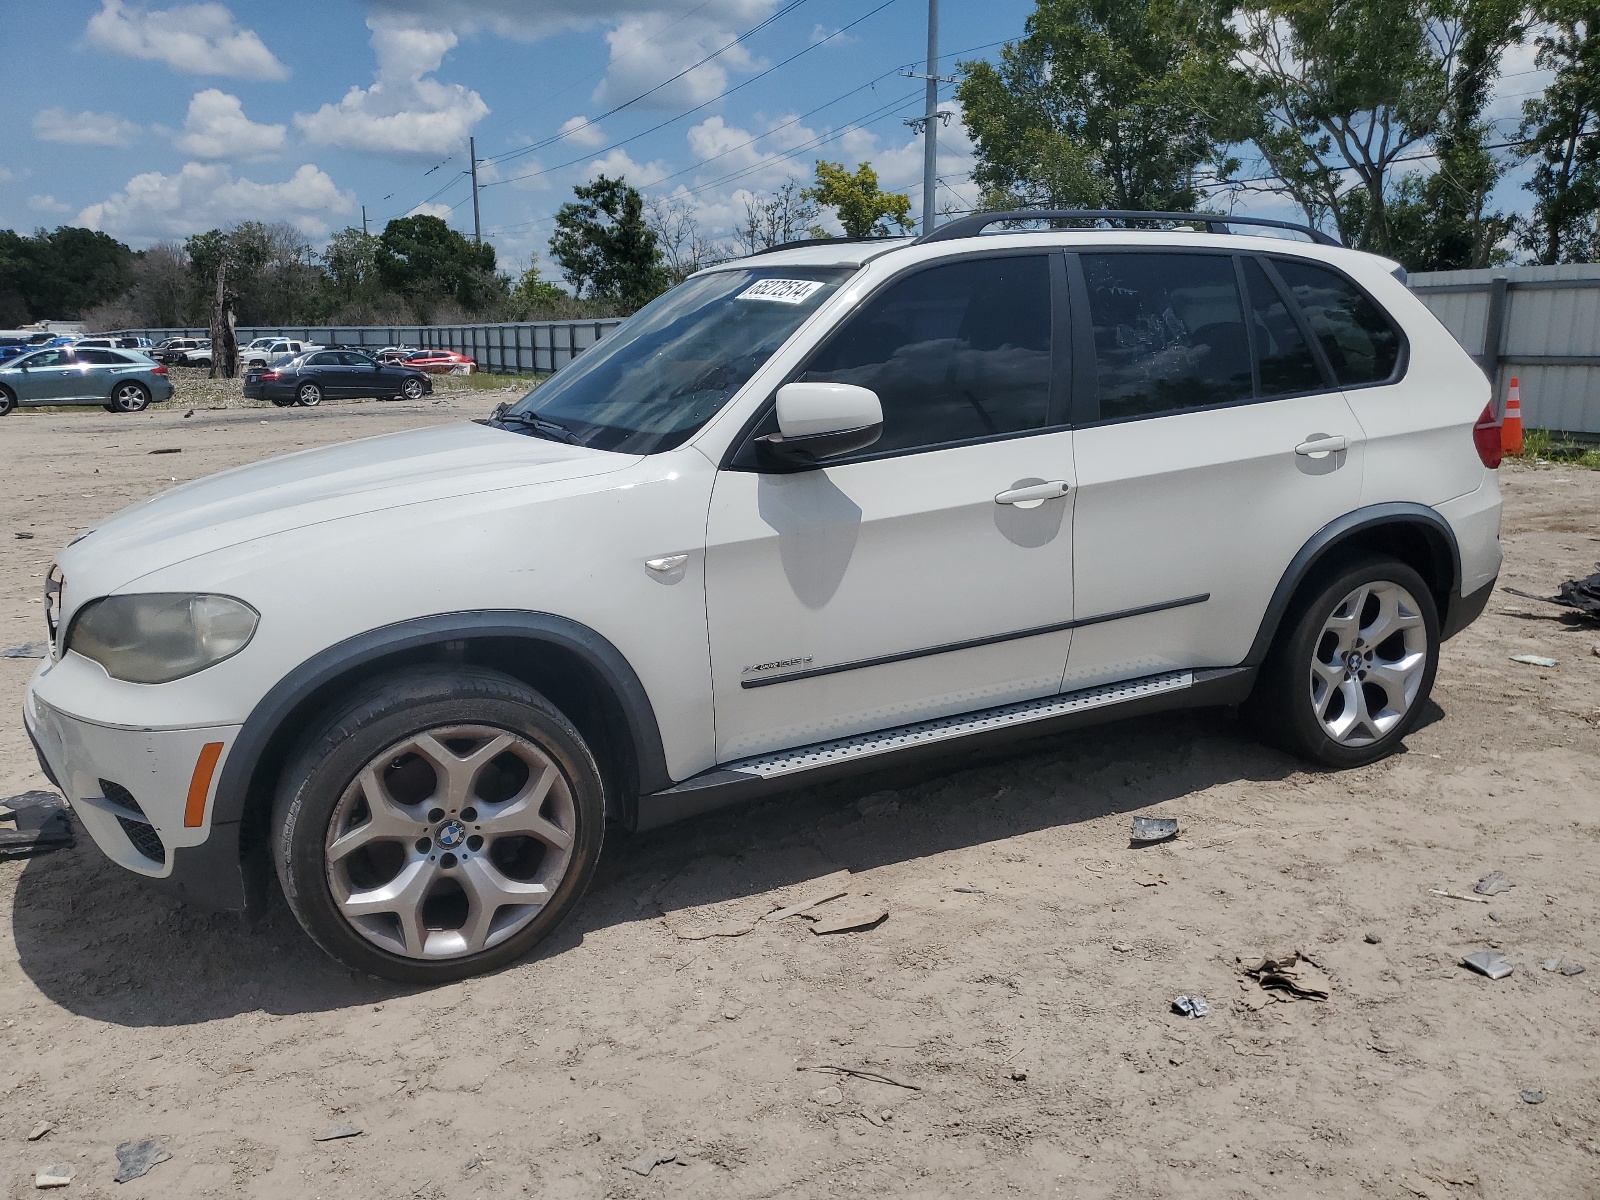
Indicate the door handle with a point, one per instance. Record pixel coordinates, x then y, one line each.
1034 493
1316 447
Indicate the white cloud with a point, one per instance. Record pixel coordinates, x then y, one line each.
216 127
48 204
7 175
404 111
206 195
83 128
618 164
648 50
442 211
201 39
580 131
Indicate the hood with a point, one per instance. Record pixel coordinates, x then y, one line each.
328 483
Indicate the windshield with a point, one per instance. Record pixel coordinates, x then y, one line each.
670 367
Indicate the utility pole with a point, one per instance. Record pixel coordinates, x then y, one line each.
364 232
477 221
930 145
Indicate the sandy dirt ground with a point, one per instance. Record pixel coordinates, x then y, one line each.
1017 995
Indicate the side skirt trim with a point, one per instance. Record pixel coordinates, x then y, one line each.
952 647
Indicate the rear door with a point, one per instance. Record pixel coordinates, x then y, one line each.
1204 407
98 372
327 371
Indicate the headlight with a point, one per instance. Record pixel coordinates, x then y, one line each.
161 636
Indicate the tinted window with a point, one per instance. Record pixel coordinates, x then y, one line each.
351 359
1168 332
956 352
1361 344
100 358
45 358
1283 356
324 360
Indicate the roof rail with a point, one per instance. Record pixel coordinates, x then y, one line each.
975 224
819 241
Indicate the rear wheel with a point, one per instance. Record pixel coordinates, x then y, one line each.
439 825
8 402
129 397
1352 668
308 395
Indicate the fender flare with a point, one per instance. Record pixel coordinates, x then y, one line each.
325 667
1337 532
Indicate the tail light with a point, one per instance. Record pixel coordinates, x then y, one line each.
268 376
1486 437
158 370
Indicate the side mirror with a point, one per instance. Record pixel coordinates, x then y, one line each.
818 421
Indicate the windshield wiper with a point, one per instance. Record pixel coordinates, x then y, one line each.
542 426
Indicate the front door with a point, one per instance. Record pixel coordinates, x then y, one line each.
1220 445
50 377
930 574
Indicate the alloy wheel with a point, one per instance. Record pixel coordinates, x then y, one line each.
413 389
309 395
1369 663
450 841
129 398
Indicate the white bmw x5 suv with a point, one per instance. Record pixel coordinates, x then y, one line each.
808 513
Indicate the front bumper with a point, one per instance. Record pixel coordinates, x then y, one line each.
144 795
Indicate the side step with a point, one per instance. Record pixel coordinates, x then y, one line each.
763 774
923 733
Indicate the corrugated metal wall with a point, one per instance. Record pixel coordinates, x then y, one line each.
511 348
1539 325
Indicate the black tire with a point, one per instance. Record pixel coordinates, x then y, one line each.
308 395
283 403
412 389
384 714
8 402
129 396
1282 707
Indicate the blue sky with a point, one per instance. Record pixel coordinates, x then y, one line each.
153 120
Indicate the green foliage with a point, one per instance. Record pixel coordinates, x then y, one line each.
1344 90
351 261
863 209
1562 129
605 246
1105 103
426 261
55 276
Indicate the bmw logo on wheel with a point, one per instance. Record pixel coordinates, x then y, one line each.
451 834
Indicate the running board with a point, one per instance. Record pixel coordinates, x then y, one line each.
764 773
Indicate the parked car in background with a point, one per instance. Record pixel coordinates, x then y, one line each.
395 353
334 374
256 355
117 341
441 362
120 380
198 355
171 350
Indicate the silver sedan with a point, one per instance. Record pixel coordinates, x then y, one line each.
118 380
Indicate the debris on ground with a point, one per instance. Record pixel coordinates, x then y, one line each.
39 1130
1534 660
42 820
879 804
1373 939
57 1176
1150 880
1457 896
701 935
1566 968
166 450
1581 595
1193 1007
855 1073
650 1160
831 888
848 918
136 1158
337 1133
971 891
23 535
1493 884
829 1095
1020 1074
1532 1097
1489 962
1291 976
26 650
1147 830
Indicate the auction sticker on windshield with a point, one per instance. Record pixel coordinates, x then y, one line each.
784 291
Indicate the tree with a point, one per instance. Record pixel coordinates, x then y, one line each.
781 217
351 263
684 248
1345 90
426 261
1561 130
56 275
534 294
863 209
606 247
1105 103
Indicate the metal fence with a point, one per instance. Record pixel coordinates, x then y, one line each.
1540 325
508 348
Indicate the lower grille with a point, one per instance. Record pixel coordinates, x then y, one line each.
140 832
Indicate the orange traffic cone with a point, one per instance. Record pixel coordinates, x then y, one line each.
1511 423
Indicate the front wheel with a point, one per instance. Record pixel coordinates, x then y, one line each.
412 390
1348 676
129 397
308 396
440 824
8 402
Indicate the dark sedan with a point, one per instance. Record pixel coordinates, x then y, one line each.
309 378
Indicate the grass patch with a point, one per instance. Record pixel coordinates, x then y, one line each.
1540 445
482 381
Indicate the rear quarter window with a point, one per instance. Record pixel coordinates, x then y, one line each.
1362 344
